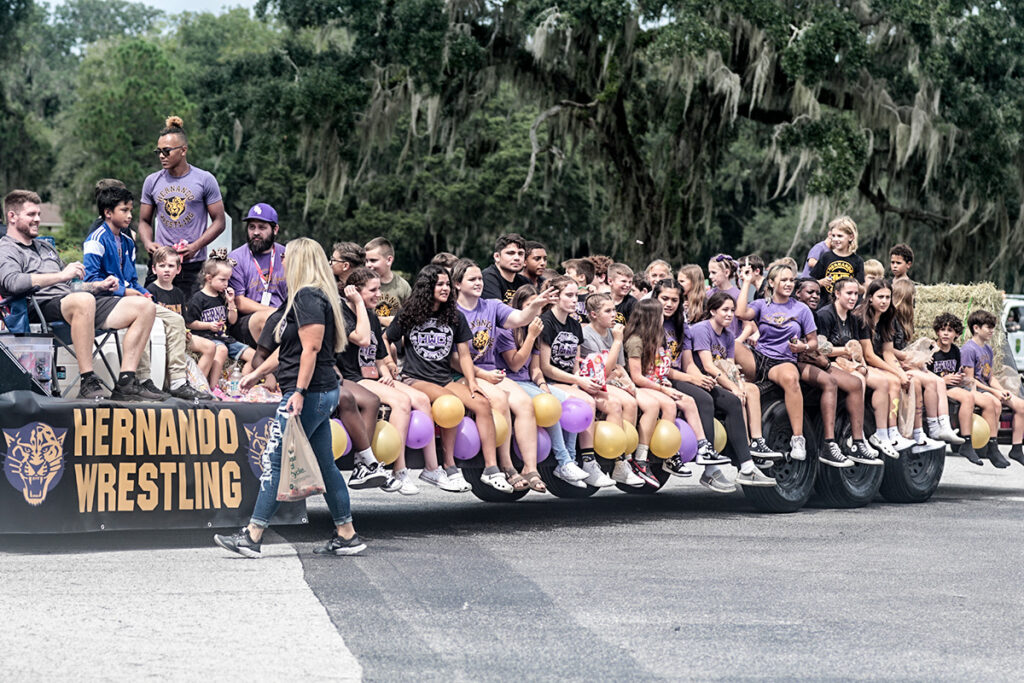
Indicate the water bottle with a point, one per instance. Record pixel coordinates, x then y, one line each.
235 382
76 284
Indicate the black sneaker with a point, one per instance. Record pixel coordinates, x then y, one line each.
1017 453
994 456
341 546
759 449
240 542
863 454
133 391
967 451
152 388
763 463
676 467
92 388
832 455
367 476
643 470
707 455
188 392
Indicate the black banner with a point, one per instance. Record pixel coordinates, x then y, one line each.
90 466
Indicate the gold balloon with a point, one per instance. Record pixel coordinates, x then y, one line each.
448 411
980 432
720 438
609 440
387 443
632 437
500 428
548 410
666 440
339 440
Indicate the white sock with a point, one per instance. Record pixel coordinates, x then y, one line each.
893 433
882 434
365 456
641 452
918 435
935 423
177 383
747 467
944 422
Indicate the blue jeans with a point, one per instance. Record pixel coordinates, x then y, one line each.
316 422
562 443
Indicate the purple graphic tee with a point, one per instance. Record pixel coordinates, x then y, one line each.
180 205
254 275
484 321
778 324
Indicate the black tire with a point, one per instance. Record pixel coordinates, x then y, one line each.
849 487
794 478
914 477
487 493
559 488
659 472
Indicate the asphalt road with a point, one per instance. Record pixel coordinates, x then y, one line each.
685 584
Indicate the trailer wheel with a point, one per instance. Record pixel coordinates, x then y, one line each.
794 478
659 472
849 487
914 477
559 488
487 493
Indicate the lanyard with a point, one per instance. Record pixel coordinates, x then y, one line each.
270 271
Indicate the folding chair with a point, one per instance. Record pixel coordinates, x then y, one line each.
16 315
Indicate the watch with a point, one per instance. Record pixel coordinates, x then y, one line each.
301 391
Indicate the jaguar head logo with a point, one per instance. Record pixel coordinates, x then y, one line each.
481 340
35 459
260 435
174 206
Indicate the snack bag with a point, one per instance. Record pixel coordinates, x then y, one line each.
300 473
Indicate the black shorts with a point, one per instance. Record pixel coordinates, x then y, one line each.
764 364
240 331
104 305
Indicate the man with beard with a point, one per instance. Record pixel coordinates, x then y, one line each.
258 278
504 276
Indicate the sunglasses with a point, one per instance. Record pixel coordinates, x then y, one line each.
165 151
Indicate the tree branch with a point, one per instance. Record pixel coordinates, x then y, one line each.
535 144
882 205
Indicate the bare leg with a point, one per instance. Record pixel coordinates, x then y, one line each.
787 376
79 309
135 315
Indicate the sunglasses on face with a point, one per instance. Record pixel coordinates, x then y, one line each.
165 151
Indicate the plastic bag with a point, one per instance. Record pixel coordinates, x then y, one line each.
732 371
194 375
919 353
906 409
856 360
592 366
300 473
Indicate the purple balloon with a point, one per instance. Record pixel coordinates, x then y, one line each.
467 439
543 446
576 415
688 448
348 439
421 430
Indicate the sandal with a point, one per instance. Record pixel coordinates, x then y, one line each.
516 480
535 483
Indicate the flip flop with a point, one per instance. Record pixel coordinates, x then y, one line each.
535 482
516 481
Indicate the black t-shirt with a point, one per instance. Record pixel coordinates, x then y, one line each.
172 299
497 287
429 347
945 362
267 340
833 268
564 340
355 357
838 331
899 336
624 309
581 308
310 307
208 309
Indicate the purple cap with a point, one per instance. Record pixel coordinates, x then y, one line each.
262 212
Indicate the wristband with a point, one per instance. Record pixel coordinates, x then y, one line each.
301 391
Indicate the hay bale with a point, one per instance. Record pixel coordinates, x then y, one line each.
960 300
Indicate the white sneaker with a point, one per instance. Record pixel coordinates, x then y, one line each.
798 448
497 481
441 480
883 446
927 444
623 474
948 435
595 476
407 487
902 443
755 478
569 473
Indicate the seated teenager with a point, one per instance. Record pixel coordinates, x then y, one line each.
27 262
722 272
433 331
945 363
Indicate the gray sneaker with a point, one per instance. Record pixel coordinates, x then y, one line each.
755 478
719 483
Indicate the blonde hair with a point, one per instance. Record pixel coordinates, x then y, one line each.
874 268
903 291
845 224
694 299
306 265
774 271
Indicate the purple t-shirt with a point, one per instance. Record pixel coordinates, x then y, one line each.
778 324
980 359
706 339
484 321
674 346
815 253
180 205
737 325
252 276
504 341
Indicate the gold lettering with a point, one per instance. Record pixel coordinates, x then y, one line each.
211 485
83 431
187 428
85 477
151 492
102 430
105 487
167 469
207 426
231 482
121 442
125 485
227 429
184 502
145 431
167 442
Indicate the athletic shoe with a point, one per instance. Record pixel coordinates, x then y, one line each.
832 455
595 476
187 392
1017 453
643 470
134 391
92 388
623 474
569 476
967 451
707 455
240 542
754 478
717 482
798 448
497 481
341 546
948 435
994 456
392 484
930 444
883 446
863 454
763 464
367 476
759 449
677 468
152 388
440 479
902 443
406 486
456 482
